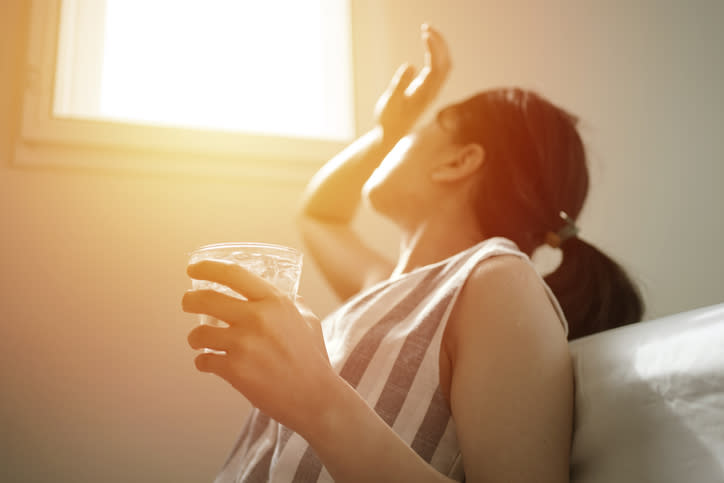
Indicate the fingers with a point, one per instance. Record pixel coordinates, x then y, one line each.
437 54
429 80
231 310
213 363
210 337
233 276
402 78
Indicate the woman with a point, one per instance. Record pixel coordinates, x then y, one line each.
453 362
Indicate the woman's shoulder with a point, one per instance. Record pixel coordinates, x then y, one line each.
470 261
499 291
498 262
499 244
490 247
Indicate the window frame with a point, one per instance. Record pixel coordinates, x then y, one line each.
46 140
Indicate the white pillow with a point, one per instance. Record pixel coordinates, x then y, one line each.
650 401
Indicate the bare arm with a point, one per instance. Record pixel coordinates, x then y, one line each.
334 193
512 380
511 393
329 206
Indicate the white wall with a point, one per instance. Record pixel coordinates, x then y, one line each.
97 381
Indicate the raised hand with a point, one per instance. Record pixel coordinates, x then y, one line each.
408 95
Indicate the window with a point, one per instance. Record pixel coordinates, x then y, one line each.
211 85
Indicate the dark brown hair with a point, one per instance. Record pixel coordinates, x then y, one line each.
535 167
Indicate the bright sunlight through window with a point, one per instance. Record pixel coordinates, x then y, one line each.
275 67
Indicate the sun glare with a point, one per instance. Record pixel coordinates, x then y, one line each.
277 67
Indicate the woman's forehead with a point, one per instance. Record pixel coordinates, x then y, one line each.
449 117
457 117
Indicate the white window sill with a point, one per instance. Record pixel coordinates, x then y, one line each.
46 140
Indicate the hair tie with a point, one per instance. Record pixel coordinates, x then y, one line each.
569 230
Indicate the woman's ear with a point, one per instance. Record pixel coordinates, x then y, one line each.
462 163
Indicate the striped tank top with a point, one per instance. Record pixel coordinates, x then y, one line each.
385 342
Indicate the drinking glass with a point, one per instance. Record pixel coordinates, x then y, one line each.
280 265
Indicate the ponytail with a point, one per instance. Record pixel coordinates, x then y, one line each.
530 188
594 292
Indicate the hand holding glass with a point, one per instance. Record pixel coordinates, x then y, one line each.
277 264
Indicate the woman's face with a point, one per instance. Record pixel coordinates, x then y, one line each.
401 188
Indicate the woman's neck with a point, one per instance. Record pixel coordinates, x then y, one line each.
436 239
